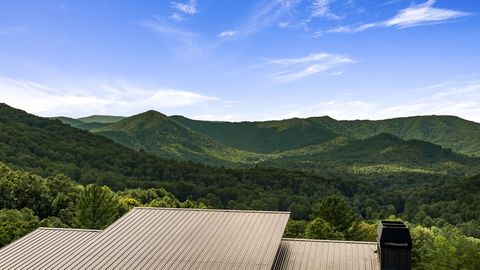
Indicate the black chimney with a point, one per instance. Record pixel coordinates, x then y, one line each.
394 245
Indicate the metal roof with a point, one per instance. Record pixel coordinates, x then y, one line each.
296 254
163 238
36 249
160 238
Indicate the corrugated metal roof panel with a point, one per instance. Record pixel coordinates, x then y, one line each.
300 254
160 238
37 249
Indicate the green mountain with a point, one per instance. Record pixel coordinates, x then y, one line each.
320 143
103 119
76 123
451 132
412 144
447 131
262 137
158 134
383 153
48 147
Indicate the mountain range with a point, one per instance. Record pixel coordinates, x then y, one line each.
422 144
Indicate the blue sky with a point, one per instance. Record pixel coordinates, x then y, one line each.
242 60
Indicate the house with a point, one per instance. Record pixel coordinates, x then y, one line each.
165 238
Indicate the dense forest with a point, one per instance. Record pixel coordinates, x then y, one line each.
28 201
54 174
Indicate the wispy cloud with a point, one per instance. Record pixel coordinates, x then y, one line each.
227 34
188 8
265 14
315 57
97 97
460 98
159 25
415 15
321 8
189 43
302 67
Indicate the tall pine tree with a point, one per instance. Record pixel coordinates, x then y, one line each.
96 208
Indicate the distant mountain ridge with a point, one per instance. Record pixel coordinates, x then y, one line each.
158 134
412 144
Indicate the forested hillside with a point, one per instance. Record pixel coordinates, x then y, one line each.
447 131
158 134
318 143
28 201
351 183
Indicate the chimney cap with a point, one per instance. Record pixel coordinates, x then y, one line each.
394 234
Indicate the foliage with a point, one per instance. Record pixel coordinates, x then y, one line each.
95 208
160 135
274 136
443 248
57 201
16 223
335 211
321 229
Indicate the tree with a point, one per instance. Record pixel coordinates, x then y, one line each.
295 228
321 229
95 208
164 202
16 223
336 211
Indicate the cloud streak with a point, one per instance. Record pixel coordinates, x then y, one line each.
108 97
228 34
460 98
415 15
299 68
265 14
321 8
189 8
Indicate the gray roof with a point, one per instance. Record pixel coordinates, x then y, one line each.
37 249
158 238
296 254
163 238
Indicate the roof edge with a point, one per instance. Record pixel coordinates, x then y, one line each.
68 229
328 241
213 210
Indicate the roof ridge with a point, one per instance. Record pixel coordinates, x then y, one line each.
68 229
326 240
211 210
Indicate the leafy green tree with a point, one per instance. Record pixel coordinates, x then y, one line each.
167 201
295 228
125 204
16 223
192 204
96 208
362 231
336 211
321 229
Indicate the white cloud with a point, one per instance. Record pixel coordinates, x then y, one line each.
459 98
188 8
415 15
184 42
216 117
423 14
306 66
159 25
227 34
266 13
315 57
176 17
98 97
321 8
